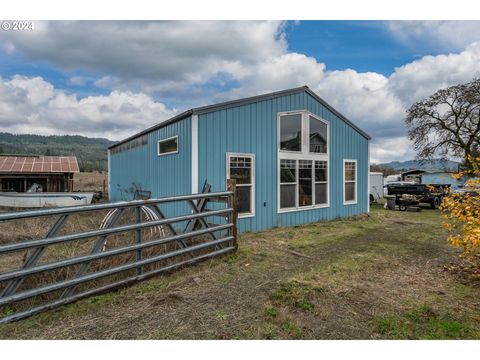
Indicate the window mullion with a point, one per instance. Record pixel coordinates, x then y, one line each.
305 133
313 181
296 184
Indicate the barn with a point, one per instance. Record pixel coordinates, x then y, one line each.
294 157
49 173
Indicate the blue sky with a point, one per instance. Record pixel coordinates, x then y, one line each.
111 78
360 45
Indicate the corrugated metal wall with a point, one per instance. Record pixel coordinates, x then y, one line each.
162 175
245 129
253 129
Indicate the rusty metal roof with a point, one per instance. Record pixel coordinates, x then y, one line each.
38 164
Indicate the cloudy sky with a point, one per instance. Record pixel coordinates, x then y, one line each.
112 79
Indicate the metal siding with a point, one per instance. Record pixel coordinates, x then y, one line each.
162 175
252 128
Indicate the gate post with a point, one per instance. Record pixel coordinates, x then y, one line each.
232 186
138 236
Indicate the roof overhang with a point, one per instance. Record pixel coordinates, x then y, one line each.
245 101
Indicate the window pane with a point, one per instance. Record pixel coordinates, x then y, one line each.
318 136
304 183
321 173
242 175
350 171
287 196
291 132
168 146
244 195
349 191
241 169
349 175
287 171
241 162
321 193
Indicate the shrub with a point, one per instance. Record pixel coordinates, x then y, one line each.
461 213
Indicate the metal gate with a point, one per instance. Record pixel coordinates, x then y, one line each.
40 273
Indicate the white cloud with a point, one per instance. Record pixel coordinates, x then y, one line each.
275 73
155 51
422 77
453 34
365 98
77 80
177 59
386 150
374 102
32 105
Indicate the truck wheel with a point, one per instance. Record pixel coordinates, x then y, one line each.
372 199
402 207
435 203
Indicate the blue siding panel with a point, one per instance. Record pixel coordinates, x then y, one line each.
165 175
252 128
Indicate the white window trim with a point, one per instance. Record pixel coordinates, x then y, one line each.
163 140
227 176
351 202
305 154
327 204
194 126
305 146
293 183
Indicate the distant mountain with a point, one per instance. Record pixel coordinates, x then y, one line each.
91 153
430 165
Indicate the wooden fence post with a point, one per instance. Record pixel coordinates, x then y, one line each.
232 186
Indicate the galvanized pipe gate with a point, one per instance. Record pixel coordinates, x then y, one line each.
19 300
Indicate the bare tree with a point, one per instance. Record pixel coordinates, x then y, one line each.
447 124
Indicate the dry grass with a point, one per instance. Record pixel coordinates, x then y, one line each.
375 276
91 181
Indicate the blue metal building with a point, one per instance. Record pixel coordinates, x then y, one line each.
295 158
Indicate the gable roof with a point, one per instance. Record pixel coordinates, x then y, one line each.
13 164
234 103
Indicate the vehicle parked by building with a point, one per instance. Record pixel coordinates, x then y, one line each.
376 187
431 194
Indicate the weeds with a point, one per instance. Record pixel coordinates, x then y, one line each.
423 323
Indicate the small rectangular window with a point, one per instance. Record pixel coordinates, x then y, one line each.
291 132
350 181
288 183
168 146
242 169
321 181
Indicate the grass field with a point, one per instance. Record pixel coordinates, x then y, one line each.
90 181
376 276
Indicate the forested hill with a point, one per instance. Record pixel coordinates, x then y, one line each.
91 153
428 165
